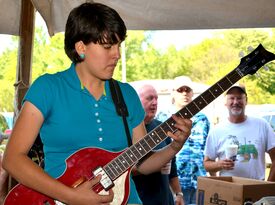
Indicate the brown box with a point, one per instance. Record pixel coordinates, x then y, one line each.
232 190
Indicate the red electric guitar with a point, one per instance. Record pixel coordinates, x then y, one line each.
116 167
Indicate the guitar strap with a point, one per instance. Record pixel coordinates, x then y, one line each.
120 105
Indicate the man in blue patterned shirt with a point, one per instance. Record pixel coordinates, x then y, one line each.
189 159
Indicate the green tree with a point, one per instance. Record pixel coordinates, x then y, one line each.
262 85
206 62
48 54
210 60
8 61
144 61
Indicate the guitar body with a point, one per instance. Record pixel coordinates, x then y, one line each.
79 166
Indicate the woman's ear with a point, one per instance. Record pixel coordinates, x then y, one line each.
80 47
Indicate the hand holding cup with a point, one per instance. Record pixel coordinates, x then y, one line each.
231 152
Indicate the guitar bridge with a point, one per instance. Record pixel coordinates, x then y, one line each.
105 180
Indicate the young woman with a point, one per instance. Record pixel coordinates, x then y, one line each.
73 109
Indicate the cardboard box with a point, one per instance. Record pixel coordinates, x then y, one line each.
232 190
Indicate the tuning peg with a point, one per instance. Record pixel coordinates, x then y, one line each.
266 68
241 54
250 48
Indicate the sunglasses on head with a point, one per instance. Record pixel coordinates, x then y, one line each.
184 89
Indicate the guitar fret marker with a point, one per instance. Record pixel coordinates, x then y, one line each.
151 137
120 162
139 157
157 136
113 169
220 86
117 167
141 148
127 157
211 93
196 106
169 125
132 155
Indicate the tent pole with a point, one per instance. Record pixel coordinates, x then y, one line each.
24 61
23 70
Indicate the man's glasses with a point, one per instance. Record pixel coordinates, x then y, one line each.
184 89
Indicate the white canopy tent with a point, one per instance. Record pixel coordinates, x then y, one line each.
152 14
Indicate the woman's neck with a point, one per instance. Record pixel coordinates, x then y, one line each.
94 85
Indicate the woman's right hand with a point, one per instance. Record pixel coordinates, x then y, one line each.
85 195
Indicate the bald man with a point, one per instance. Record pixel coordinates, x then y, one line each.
155 188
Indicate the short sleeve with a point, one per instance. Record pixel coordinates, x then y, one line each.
173 172
270 137
210 146
40 94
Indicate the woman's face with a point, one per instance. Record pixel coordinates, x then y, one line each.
101 59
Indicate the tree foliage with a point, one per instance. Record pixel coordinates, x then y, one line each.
261 87
206 62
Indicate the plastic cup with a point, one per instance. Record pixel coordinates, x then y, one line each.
231 152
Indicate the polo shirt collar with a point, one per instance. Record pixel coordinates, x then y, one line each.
71 77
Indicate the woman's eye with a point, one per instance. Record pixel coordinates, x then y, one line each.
107 46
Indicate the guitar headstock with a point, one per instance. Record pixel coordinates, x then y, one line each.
252 62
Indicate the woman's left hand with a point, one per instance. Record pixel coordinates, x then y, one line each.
182 133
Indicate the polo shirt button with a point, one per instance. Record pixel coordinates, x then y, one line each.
98 120
96 114
96 105
100 129
100 139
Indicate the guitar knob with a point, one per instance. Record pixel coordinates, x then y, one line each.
241 54
266 68
250 48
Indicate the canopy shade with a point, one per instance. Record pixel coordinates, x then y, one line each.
152 14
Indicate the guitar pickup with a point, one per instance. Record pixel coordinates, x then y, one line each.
105 180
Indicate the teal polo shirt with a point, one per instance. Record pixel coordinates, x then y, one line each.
74 119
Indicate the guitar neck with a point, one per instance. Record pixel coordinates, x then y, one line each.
137 151
249 65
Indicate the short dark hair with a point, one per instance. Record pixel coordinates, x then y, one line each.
92 22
